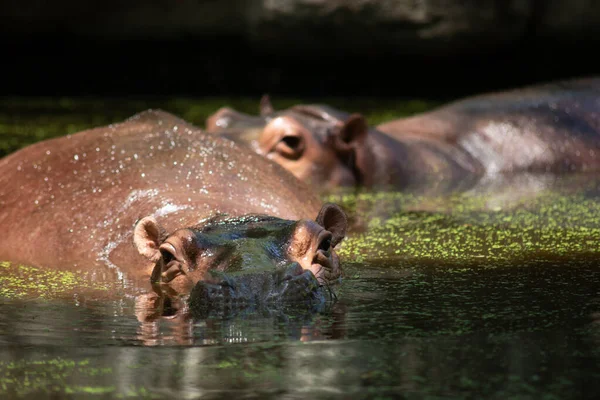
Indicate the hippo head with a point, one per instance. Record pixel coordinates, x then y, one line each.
253 258
318 144
242 128
226 118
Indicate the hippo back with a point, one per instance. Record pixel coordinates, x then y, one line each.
549 127
77 197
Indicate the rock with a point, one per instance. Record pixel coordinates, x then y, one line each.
431 27
408 27
318 47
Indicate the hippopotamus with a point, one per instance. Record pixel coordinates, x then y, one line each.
552 127
156 200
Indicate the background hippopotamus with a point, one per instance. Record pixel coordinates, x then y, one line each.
154 197
553 127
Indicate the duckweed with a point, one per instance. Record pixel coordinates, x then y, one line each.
56 376
22 281
462 228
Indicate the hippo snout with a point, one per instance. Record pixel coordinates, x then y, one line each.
285 288
227 118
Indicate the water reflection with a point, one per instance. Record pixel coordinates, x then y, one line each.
438 330
489 293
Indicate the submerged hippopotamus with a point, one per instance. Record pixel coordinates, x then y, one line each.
553 127
158 201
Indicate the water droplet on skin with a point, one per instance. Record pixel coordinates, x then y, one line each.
76 157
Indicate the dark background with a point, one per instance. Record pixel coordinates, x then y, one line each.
418 48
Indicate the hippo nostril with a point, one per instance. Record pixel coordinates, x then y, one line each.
167 255
325 243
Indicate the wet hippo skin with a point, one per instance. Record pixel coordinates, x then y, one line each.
153 197
553 127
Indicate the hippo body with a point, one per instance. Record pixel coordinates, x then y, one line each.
73 202
553 127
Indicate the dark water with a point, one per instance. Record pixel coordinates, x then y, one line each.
493 293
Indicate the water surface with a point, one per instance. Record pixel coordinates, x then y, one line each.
489 293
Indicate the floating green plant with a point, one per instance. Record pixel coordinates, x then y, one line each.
22 281
460 227
57 376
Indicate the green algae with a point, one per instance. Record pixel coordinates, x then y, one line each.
22 281
461 227
56 376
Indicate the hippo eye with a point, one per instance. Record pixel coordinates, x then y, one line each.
293 142
290 146
325 243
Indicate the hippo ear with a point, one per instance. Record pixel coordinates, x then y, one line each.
354 129
147 236
266 108
333 218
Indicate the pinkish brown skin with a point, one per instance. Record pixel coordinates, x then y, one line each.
546 128
553 127
73 202
242 128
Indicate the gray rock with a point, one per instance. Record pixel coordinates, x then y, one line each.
409 27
